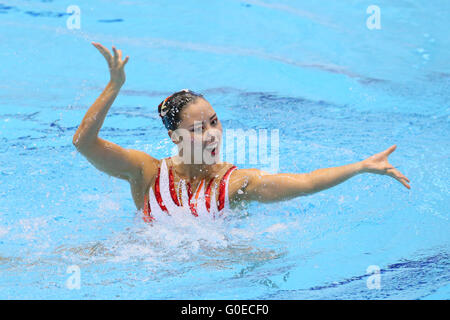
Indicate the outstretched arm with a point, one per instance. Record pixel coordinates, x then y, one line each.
260 186
104 155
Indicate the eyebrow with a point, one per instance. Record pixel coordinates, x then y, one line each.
193 125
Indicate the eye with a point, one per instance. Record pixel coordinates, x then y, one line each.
197 128
214 121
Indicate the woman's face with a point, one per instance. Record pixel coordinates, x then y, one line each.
201 131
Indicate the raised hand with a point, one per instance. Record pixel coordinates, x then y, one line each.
115 63
378 163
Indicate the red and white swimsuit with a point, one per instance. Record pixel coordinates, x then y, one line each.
165 199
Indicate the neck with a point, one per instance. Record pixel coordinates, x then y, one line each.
192 171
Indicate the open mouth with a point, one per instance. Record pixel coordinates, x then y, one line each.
212 148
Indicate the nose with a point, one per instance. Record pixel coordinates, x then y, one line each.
211 134
209 137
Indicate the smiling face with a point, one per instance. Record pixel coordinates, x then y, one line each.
201 132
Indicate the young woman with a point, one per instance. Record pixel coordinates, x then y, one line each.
180 183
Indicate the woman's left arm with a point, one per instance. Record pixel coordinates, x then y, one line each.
263 187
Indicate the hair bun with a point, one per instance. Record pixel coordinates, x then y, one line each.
164 110
169 109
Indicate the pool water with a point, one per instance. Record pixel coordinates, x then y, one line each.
337 92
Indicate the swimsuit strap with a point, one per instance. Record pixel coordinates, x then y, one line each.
158 193
147 210
208 195
173 193
223 188
191 205
199 188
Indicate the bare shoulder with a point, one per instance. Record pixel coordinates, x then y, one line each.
148 168
222 168
146 173
146 163
240 179
247 174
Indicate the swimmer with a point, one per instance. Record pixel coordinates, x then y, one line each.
184 182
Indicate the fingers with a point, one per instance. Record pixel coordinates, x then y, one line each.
400 177
403 182
104 51
391 149
117 58
116 54
391 170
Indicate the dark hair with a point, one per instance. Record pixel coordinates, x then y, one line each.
170 108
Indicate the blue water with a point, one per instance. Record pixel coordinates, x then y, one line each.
337 91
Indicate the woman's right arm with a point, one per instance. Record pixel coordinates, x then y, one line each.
106 156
